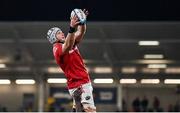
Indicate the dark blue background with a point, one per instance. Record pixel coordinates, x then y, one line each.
97 98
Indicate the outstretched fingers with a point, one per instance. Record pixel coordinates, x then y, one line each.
86 12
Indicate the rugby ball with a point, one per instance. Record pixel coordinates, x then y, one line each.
80 14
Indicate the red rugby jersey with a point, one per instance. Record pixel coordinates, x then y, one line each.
72 65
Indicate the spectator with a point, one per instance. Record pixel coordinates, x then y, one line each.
4 109
170 108
0 108
176 107
144 104
156 103
124 106
136 105
51 108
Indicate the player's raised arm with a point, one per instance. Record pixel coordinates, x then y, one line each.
81 29
70 38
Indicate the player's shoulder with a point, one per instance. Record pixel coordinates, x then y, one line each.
57 47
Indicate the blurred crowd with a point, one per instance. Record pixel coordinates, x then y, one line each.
143 105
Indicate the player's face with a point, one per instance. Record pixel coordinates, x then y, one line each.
60 36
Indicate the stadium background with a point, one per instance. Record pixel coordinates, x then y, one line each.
111 50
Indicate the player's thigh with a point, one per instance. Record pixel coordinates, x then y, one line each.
87 99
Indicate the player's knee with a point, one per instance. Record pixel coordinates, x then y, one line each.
89 109
73 109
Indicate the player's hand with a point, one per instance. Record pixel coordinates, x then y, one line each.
74 21
86 12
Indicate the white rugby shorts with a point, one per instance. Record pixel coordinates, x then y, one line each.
86 96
